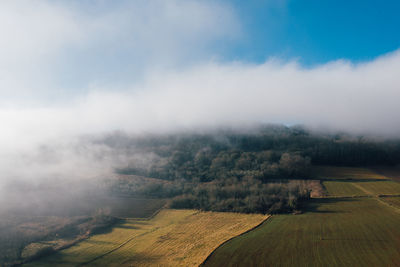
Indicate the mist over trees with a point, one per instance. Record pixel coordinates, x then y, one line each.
261 170
254 171
268 152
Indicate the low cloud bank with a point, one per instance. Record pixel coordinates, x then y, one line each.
360 98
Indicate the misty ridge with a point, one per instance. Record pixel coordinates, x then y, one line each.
54 178
64 191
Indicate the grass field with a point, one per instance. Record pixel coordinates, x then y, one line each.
350 173
356 182
171 238
380 188
334 232
392 172
394 201
342 189
124 207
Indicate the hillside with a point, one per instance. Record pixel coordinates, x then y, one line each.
171 238
356 224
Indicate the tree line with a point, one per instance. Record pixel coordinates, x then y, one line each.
242 171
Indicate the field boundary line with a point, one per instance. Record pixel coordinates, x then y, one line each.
389 195
363 189
388 204
226 241
335 197
118 247
378 198
130 239
151 216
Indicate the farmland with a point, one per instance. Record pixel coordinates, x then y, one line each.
338 230
342 189
354 223
346 173
29 232
130 207
172 237
392 172
394 201
335 232
380 188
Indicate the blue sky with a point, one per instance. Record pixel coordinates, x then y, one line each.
315 31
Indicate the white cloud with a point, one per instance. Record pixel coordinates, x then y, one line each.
358 98
50 48
55 54
340 95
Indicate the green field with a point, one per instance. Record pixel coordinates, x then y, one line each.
342 189
171 238
346 173
394 201
126 207
338 230
334 232
380 187
392 172
351 189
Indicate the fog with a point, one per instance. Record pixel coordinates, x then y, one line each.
358 98
70 73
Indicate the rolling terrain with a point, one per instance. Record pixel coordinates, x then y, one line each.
170 238
394 201
29 233
356 224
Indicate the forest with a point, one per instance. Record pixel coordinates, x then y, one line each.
258 170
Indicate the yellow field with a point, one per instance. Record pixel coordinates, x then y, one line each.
171 238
